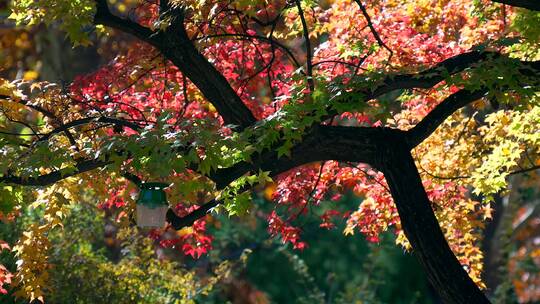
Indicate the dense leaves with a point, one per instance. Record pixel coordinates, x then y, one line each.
221 98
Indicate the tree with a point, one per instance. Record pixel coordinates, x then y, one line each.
219 97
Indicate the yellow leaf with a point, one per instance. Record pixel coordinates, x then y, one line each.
30 75
185 231
13 16
348 230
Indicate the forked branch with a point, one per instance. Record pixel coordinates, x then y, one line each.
177 47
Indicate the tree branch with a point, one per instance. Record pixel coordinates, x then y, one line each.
178 223
105 17
309 56
268 40
430 77
440 113
451 66
53 177
422 228
322 143
528 4
372 28
179 49
176 46
455 102
87 120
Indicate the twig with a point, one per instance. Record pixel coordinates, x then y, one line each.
373 30
309 63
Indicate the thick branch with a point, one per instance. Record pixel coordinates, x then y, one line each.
430 77
422 229
528 4
322 143
179 49
455 102
440 113
105 17
176 46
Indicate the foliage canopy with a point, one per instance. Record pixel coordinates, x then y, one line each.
423 109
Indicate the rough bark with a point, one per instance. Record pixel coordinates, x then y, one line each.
386 149
204 75
421 227
176 46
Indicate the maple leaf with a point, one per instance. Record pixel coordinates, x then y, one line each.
216 97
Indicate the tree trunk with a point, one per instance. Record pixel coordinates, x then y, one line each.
422 229
492 246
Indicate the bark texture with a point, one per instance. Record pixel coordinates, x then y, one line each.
422 229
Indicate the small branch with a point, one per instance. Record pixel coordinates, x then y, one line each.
524 170
441 177
132 178
309 60
374 179
53 177
178 223
261 38
34 132
186 98
349 64
373 30
454 102
523 220
39 109
83 121
310 195
19 134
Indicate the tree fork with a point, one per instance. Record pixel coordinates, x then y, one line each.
422 229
